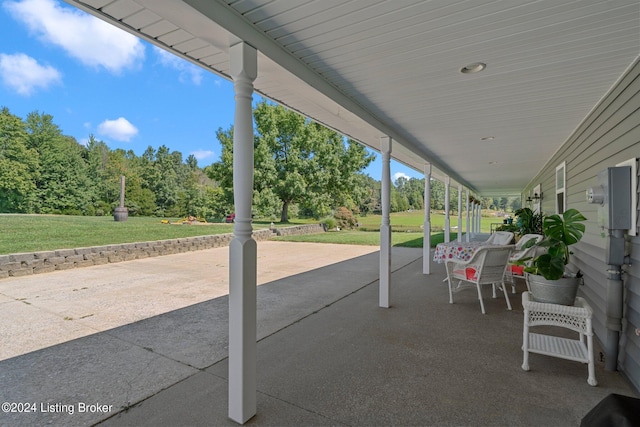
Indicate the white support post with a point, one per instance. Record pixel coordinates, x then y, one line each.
479 219
473 219
467 222
385 226
242 249
426 240
459 213
447 218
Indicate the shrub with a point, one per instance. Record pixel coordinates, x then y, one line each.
345 218
330 222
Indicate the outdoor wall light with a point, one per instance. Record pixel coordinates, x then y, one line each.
537 197
476 67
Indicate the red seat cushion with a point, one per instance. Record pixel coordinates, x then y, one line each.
469 272
516 270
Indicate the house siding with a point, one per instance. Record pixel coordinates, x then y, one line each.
608 136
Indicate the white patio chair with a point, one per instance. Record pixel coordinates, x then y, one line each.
524 239
500 238
486 267
514 271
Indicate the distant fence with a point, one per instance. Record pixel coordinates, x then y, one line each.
23 264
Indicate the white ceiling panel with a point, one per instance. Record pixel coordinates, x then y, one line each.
97 3
142 19
369 68
175 37
159 28
191 45
122 8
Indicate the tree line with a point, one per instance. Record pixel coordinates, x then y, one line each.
302 169
409 194
44 171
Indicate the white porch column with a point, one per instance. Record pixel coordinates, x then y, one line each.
385 227
459 213
426 239
467 212
473 219
242 249
447 218
478 218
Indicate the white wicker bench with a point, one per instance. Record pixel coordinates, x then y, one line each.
576 318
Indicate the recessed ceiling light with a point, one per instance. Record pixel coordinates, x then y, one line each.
476 67
487 138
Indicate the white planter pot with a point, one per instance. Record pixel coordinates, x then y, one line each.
561 291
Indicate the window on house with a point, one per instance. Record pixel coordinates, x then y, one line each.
561 176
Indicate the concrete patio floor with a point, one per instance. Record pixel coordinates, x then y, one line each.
327 355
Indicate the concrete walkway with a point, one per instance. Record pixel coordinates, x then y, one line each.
42 310
327 355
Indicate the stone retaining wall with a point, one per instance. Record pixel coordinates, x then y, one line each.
300 229
23 264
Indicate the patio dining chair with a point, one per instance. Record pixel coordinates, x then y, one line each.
525 239
486 267
500 238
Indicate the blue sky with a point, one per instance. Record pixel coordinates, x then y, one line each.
95 79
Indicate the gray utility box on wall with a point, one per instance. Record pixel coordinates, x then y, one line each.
614 212
613 194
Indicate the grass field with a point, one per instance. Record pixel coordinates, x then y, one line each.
405 239
413 219
31 233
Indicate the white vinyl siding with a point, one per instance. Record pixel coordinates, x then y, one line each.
608 136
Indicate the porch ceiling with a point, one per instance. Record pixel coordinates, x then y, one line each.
369 68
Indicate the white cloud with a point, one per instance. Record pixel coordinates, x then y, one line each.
119 129
400 175
187 70
202 154
85 38
23 73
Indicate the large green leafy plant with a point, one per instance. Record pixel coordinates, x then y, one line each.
528 221
560 231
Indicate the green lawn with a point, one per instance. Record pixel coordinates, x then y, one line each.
354 237
32 233
402 219
406 228
415 219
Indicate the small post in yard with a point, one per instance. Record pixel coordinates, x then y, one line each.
121 213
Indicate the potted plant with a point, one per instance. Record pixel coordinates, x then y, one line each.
549 275
528 221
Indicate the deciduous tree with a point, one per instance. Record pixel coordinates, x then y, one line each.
18 165
297 161
63 185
